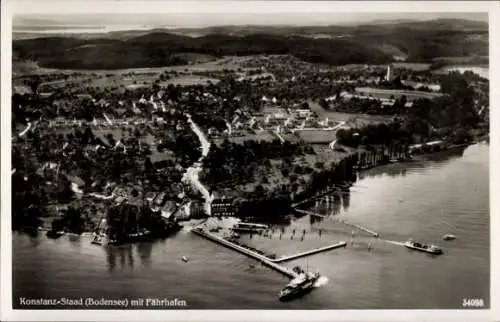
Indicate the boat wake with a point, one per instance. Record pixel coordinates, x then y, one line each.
322 280
393 242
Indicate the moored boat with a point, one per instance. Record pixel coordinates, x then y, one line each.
431 249
54 234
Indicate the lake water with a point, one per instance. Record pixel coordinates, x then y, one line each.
481 71
425 199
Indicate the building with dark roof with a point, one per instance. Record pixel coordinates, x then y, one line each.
222 206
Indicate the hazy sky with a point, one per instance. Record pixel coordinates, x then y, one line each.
236 12
210 19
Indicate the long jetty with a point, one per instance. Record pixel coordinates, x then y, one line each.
310 252
369 231
272 263
305 212
263 259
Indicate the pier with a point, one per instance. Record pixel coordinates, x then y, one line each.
305 212
272 263
369 231
263 259
310 252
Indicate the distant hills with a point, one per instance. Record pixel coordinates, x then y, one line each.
416 41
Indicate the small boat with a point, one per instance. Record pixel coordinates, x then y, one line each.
185 259
98 240
431 249
55 234
449 237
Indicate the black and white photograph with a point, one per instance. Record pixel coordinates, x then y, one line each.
238 155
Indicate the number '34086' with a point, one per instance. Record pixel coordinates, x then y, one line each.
472 303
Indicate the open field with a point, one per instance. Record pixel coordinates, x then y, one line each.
352 120
317 136
21 89
229 62
187 80
481 70
129 78
387 93
119 81
324 154
412 66
396 65
468 60
263 136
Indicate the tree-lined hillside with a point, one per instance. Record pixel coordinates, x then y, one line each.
415 41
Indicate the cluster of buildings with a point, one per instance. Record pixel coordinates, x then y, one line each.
291 120
222 206
385 102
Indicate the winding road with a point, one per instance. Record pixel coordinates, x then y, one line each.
25 130
192 173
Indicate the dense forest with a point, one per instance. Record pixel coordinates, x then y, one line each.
238 163
365 44
159 49
128 219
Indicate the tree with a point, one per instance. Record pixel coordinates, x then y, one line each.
323 103
34 83
259 190
74 221
319 165
148 165
111 139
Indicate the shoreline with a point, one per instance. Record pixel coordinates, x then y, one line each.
291 201
348 184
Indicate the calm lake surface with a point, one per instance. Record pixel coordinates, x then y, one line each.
425 199
481 71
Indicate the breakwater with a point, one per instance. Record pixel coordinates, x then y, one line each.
360 227
270 262
264 260
310 252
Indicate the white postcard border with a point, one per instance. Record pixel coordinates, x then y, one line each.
103 6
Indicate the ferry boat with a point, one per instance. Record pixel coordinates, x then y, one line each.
431 249
249 227
54 234
299 286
